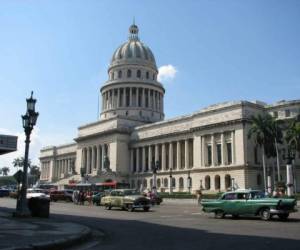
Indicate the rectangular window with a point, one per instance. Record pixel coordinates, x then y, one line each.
275 114
287 113
229 153
209 156
219 153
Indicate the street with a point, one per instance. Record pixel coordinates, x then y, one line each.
174 226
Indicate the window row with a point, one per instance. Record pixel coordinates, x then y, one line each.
132 73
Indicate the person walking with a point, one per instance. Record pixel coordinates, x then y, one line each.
199 197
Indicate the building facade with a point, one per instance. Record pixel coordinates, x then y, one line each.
208 149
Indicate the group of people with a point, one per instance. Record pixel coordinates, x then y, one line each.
80 196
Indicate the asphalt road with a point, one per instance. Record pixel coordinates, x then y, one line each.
175 226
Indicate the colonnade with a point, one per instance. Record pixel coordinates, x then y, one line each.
170 155
63 167
132 97
93 157
45 170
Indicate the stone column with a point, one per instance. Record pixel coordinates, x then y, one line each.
143 98
93 159
143 159
153 100
233 146
213 150
163 156
137 97
150 158
223 149
162 103
98 157
88 161
118 98
178 155
186 154
156 154
131 160
137 159
124 97
171 164
149 100
103 155
130 97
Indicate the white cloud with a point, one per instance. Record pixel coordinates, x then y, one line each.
166 72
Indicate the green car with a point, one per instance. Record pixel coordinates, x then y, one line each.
249 202
127 199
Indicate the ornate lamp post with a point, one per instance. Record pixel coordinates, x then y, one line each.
29 121
189 180
155 167
171 182
289 171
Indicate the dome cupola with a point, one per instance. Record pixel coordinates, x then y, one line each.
132 89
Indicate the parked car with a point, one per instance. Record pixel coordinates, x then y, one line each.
249 202
36 193
96 198
61 195
4 192
128 199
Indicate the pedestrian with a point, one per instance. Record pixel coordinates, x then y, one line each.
199 197
89 197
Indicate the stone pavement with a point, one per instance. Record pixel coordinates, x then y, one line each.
38 233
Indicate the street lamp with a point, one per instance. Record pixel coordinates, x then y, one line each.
232 184
155 167
189 179
29 121
289 171
171 182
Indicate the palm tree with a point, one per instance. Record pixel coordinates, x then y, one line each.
261 131
5 171
293 134
19 162
276 137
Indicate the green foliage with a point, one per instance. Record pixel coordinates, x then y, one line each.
7 180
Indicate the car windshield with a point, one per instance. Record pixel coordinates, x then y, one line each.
131 192
257 195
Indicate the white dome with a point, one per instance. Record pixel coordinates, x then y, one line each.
133 51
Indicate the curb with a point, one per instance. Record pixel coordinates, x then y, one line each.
57 244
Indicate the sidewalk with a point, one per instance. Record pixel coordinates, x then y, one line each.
38 233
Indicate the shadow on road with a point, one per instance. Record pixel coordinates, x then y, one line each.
137 235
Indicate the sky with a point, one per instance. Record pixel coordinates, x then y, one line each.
207 52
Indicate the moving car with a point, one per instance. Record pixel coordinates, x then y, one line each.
36 193
4 192
128 199
96 198
62 195
249 202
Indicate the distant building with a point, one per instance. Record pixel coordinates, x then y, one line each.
8 143
208 148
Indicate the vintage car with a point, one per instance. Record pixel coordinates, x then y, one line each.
96 198
36 193
128 199
63 195
249 202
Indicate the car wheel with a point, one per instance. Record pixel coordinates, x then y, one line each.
107 207
219 214
146 209
235 216
283 216
130 208
265 214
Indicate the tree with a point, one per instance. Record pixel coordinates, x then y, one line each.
261 131
293 134
19 162
5 171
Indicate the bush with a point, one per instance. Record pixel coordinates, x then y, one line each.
7 180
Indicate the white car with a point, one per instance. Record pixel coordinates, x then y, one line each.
36 193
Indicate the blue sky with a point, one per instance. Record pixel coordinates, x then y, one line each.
221 50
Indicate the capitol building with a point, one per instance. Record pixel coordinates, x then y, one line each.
207 149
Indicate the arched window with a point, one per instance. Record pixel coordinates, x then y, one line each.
166 182
129 73
217 182
138 74
207 182
227 181
158 183
147 75
173 182
120 74
258 179
181 185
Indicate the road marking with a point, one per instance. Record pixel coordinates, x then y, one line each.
197 213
